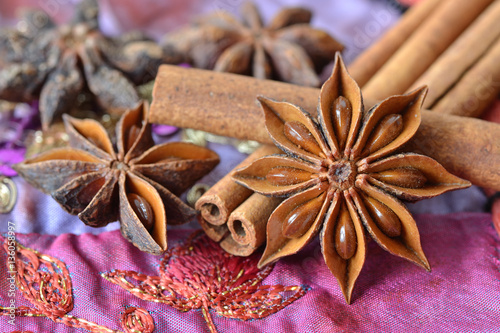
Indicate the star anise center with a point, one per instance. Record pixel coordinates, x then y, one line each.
73 35
254 35
119 165
342 174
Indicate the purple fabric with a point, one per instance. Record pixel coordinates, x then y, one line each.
13 129
164 130
460 294
8 157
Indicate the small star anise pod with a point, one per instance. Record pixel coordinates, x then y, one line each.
137 184
343 178
40 60
288 48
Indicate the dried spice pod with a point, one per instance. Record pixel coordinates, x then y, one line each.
348 185
55 63
288 48
137 184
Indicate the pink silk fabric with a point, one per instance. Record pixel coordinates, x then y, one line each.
461 293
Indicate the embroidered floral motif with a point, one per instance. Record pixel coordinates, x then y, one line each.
200 275
137 320
45 282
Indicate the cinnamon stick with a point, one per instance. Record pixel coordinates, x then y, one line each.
477 89
467 147
370 61
215 232
247 225
222 198
225 104
461 55
423 47
234 215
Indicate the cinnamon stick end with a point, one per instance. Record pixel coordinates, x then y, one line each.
232 247
241 229
212 209
215 232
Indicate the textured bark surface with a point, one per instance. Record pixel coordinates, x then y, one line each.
370 61
247 225
222 198
234 215
424 47
226 104
469 48
477 89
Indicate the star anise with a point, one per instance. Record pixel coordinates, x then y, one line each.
343 178
40 60
288 48
136 185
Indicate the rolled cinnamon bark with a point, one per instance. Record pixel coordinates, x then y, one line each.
225 104
220 103
215 232
247 224
477 89
223 211
423 47
222 198
460 56
467 147
370 61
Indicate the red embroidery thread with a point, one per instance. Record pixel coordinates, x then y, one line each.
50 291
200 275
137 320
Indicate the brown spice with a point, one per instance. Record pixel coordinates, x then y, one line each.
423 47
136 185
221 199
376 55
234 215
464 53
55 63
345 183
247 225
476 89
288 48
474 156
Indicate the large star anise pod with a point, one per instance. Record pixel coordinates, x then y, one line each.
137 184
40 60
288 48
343 178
